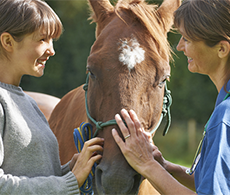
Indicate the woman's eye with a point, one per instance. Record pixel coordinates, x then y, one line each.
185 39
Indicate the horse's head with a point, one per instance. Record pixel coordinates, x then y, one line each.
128 66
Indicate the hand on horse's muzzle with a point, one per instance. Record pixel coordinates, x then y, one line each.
87 158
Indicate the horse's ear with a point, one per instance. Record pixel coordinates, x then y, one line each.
101 10
166 11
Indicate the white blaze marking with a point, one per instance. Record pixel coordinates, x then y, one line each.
131 53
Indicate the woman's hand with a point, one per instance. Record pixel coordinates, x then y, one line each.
73 161
137 146
146 159
86 159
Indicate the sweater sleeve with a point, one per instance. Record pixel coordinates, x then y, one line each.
65 168
22 185
55 185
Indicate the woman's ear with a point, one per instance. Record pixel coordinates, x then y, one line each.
224 49
7 41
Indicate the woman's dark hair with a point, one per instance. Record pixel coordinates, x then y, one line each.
204 20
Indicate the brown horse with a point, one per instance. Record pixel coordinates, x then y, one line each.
128 66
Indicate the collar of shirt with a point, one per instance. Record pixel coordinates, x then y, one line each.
222 94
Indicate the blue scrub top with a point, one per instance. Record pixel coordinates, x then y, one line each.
212 174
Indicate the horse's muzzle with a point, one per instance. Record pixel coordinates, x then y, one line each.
116 180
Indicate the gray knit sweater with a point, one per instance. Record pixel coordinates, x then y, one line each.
29 155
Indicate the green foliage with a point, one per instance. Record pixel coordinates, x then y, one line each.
174 145
193 95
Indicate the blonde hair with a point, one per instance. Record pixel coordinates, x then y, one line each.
23 17
204 20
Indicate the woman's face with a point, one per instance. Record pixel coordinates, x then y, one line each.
30 55
201 58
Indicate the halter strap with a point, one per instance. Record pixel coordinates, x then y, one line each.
167 101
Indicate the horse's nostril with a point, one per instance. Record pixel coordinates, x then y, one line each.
98 175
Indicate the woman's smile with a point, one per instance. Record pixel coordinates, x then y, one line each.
189 59
42 62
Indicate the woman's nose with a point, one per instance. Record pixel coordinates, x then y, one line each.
180 45
51 50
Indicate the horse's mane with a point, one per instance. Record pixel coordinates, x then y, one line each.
147 15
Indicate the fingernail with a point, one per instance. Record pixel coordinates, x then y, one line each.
131 111
123 110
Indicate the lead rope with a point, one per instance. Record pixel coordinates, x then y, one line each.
81 135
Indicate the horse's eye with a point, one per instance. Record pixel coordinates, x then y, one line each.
90 73
161 84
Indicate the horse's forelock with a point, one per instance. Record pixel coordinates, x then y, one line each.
148 17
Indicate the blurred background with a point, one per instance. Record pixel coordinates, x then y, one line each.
193 95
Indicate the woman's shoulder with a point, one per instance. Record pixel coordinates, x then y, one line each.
221 113
12 97
7 89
